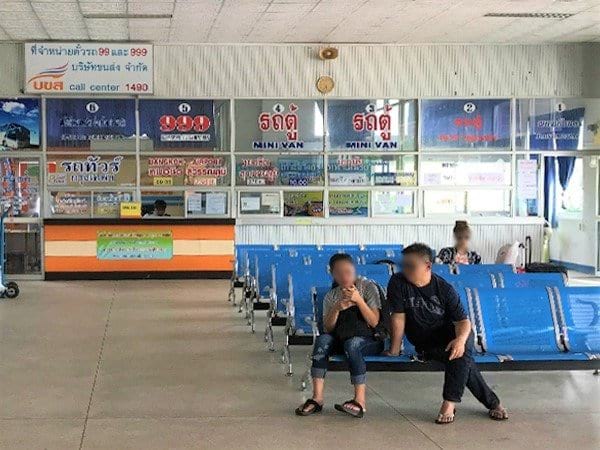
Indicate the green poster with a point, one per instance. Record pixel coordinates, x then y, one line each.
134 245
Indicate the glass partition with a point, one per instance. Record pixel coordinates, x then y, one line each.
260 203
466 170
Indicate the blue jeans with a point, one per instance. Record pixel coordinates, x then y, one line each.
355 349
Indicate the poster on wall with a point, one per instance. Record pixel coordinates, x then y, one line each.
279 125
466 123
303 204
76 204
349 203
300 171
89 68
163 171
90 124
257 171
379 125
108 204
177 124
19 124
359 170
91 170
20 187
134 245
393 203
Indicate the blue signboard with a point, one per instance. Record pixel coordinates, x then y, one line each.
378 125
78 123
178 123
550 124
465 123
19 124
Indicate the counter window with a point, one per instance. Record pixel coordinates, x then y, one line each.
163 204
201 204
260 203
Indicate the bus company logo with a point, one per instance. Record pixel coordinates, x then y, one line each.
49 79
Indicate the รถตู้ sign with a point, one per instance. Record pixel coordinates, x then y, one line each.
90 68
134 245
130 210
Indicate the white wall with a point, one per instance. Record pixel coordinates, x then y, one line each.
361 71
364 71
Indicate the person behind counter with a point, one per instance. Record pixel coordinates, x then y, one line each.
460 252
160 209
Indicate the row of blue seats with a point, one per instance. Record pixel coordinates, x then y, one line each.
517 318
520 329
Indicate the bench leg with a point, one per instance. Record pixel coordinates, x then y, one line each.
287 357
306 378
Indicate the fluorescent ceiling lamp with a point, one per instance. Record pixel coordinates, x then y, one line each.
127 16
532 15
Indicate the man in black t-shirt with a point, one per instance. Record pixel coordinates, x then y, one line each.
428 310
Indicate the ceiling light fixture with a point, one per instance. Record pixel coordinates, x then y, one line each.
128 16
532 15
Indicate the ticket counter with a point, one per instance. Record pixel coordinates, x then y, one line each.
138 248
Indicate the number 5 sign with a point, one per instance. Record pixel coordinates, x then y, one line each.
177 124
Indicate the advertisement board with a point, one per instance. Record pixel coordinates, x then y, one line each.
90 68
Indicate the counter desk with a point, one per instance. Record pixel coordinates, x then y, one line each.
138 248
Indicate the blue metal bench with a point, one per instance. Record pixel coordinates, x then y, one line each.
464 269
520 329
526 280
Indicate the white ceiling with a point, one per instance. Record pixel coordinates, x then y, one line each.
280 21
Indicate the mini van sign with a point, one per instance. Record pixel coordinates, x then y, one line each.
98 68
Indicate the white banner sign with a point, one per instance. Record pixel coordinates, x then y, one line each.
99 68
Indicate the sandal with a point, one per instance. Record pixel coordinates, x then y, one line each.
303 411
351 411
441 418
498 413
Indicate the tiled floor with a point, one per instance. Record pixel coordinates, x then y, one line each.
169 365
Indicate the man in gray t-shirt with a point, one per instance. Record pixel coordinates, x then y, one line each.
351 311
